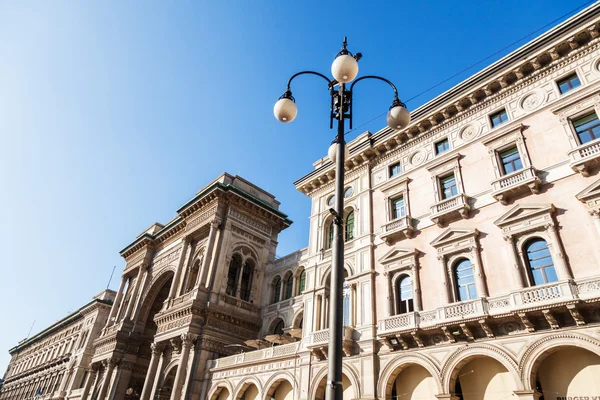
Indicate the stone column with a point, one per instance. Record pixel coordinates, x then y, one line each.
154 384
596 218
88 382
416 289
151 374
446 290
187 340
109 366
390 296
117 303
352 320
141 275
318 312
214 228
238 287
281 289
138 302
558 256
175 284
517 277
479 274
64 381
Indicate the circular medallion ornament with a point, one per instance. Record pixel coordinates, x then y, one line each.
418 157
469 133
510 327
532 100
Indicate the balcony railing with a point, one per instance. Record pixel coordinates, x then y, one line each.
234 301
257 355
515 182
520 300
450 208
398 228
584 156
322 337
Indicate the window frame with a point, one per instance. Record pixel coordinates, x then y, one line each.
442 191
397 166
349 234
456 280
444 167
530 268
436 143
572 121
393 207
566 78
408 305
502 164
496 113
276 291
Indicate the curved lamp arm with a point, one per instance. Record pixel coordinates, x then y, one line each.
330 83
375 77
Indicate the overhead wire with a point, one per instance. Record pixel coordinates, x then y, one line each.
576 9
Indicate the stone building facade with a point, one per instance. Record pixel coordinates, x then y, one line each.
56 361
472 268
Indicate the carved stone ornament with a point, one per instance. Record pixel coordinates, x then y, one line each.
469 133
532 100
418 157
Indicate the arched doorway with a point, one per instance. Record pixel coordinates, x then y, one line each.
281 389
164 393
221 393
413 382
151 305
569 372
348 390
483 378
250 392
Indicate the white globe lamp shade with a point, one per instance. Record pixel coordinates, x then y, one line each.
332 152
285 110
344 68
398 118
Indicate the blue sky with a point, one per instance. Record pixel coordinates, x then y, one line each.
113 114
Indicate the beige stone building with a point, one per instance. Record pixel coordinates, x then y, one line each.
56 361
472 261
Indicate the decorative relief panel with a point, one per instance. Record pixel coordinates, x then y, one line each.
167 259
253 222
470 132
533 100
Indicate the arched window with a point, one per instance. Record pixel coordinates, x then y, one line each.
350 226
302 282
330 237
539 260
246 285
465 280
233 275
278 329
193 276
346 303
405 295
289 285
276 289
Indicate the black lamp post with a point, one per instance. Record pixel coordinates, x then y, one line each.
344 69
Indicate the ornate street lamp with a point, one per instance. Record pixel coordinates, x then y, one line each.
344 70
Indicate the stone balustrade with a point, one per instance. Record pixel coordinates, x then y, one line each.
584 156
450 208
515 182
398 228
253 356
520 300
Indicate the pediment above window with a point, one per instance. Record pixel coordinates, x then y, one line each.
591 196
399 258
525 217
455 239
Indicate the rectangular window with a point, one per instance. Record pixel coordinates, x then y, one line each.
587 128
568 83
498 118
442 146
511 160
448 187
398 209
395 169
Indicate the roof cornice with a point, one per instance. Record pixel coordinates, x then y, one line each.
542 53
